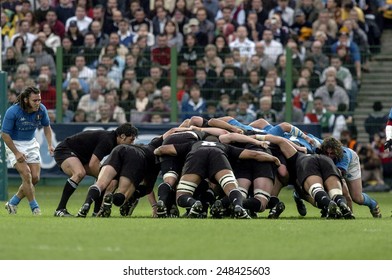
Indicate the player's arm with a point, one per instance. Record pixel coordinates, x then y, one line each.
259 156
48 136
210 130
240 138
93 166
295 131
167 150
224 125
20 157
285 145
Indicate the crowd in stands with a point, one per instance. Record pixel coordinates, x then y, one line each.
231 57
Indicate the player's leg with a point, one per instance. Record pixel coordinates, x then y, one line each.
76 172
184 195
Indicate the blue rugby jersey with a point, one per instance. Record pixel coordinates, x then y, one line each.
21 125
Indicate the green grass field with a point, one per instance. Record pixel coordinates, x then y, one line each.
140 237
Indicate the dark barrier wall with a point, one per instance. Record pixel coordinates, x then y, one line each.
146 132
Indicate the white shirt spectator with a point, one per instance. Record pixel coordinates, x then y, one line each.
273 50
246 47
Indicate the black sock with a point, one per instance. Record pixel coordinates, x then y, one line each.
186 201
69 188
339 199
164 191
93 194
98 203
236 197
272 202
225 202
252 204
118 199
322 199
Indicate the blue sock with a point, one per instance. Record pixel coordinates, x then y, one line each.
368 201
14 200
33 204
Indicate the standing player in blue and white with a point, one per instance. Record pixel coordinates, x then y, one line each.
20 122
388 133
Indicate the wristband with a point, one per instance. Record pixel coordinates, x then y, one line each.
260 137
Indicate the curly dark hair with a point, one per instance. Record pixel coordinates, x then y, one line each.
335 145
26 94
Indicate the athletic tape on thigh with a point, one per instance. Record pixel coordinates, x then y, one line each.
228 179
315 188
170 174
243 191
334 192
259 194
186 186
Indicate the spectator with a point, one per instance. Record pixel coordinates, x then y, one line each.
212 60
53 41
48 93
233 12
166 97
195 105
159 21
175 38
101 38
245 115
332 94
190 52
69 51
185 71
205 25
91 102
254 28
81 19
85 73
126 95
24 32
254 85
347 140
141 100
309 9
158 108
80 116
159 76
353 50
206 87
74 92
42 57
320 59
266 62
74 73
245 46
325 19
193 28
105 114
161 54
114 72
65 10
286 12
179 17
265 110
41 11
56 25
74 34
222 48
272 48
90 51
10 62
140 18
304 100
118 113
126 37
228 85
320 115
130 75
376 120
68 115
371 167
211 73
301 26
33 70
